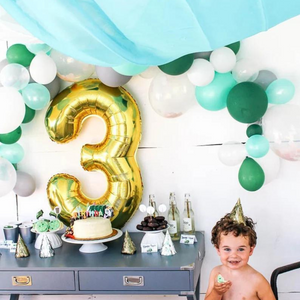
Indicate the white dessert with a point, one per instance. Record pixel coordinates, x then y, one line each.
93 228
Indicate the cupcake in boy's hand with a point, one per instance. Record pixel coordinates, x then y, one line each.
221 279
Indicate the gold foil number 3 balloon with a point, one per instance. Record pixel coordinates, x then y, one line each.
115 155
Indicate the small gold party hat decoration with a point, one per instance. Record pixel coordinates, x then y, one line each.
21 250
237 214
128 245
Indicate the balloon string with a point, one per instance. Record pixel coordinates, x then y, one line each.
17 207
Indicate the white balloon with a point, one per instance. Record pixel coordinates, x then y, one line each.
245 70
25 185
43 68
14 75
223 59
150 210
232 153
201 72
143 208
70 69
171 96
162 208
8 176
12 109
150 72
270 163
281 126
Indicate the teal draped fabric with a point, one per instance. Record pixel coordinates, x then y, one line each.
145 32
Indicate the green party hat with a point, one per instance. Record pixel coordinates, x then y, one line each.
237 214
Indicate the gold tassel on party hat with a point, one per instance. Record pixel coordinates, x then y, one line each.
128 245
237 214
21 250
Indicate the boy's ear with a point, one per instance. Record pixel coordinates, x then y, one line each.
251 250
218 250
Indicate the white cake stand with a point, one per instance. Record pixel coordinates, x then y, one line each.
154 237
54 239
93 246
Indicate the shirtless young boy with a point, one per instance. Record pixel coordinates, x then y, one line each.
235 243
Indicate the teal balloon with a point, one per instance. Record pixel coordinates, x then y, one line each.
251 175
36 96
13 153
130 69
29 114
254 129
257 146
214 95
11 137
247 102
235 47
19 54
178 66
280 91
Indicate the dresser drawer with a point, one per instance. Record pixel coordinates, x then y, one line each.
134 280
37 281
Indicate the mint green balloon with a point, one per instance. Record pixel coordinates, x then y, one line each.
257 146
130 69
13 153
214 95
280 91
36 48
36 96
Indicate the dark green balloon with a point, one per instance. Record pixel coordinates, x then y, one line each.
251 175
29 114
235 47
247 102
254 129
178 66
11 137
19 54
15 166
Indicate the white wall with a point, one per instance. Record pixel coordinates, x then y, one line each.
180 155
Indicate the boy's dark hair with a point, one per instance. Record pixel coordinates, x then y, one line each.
226 225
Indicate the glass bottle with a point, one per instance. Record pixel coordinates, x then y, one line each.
174 218
153 204
188 219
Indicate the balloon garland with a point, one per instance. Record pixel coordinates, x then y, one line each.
216 79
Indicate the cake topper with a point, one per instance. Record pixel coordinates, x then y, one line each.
237 214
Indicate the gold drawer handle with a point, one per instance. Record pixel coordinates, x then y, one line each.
21 280
133 280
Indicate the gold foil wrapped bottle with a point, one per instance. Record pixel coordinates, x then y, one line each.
21 250
174 218
128 245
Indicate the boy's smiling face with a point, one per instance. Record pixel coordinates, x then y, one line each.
234 251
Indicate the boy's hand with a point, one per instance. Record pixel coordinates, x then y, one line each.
221 287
